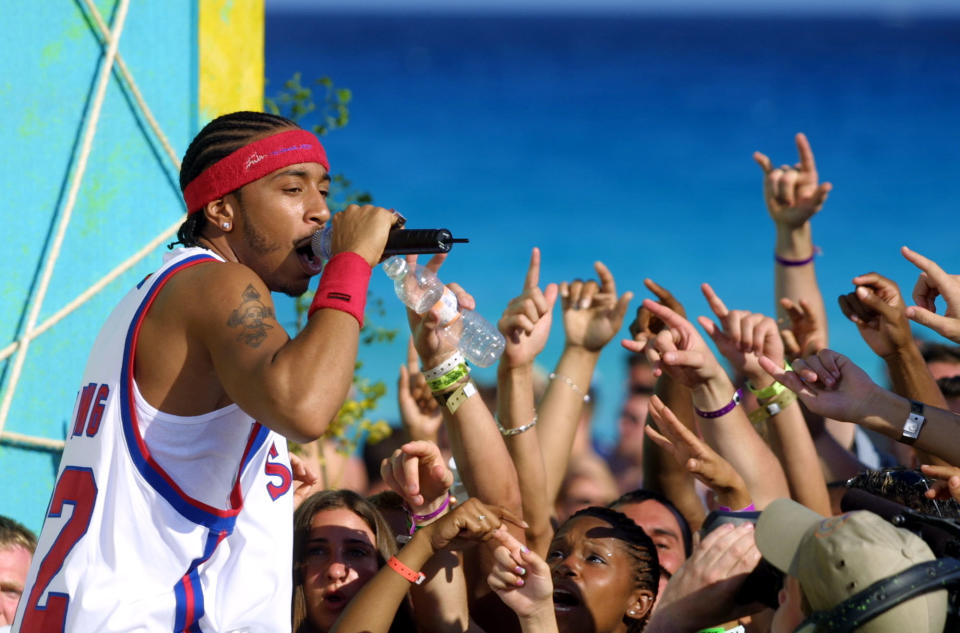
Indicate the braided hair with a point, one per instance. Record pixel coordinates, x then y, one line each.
646 568
217 140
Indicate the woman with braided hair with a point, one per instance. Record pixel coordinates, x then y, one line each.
600 576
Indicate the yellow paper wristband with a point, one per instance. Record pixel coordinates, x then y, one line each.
782 400
448 379
773 390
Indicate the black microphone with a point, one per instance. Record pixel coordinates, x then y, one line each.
420 242
399 242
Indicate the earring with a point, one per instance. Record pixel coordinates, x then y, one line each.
226 225
632 612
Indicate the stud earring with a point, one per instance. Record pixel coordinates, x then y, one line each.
226 225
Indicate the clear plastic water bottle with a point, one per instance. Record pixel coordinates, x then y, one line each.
420 290
479 341
416 286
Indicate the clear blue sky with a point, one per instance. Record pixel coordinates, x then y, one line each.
879 7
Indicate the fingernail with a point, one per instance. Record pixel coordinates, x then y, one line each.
520 571
524 549
519 582
584 304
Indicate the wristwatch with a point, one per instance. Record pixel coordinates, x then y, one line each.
913 424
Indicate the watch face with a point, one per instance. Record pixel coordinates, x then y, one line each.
912 426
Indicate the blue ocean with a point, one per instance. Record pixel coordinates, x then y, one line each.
628 139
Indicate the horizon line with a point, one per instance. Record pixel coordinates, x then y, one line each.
880 12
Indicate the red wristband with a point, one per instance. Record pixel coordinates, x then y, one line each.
343 285
416 577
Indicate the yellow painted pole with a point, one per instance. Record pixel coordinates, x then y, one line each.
231 41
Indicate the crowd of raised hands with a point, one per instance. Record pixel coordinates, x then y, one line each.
531 533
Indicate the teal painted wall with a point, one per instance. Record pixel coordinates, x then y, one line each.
49 60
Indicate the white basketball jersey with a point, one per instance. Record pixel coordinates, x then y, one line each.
124 546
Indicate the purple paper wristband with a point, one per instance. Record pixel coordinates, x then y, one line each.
796 262
749 508
724 410
426 517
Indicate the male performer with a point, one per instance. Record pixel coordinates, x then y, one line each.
172 509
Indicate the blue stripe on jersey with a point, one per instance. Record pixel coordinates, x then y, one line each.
189 590
258 440
199 513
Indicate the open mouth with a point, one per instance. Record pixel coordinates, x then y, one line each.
565 598
310 262
335 600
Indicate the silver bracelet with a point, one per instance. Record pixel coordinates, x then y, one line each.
573 385
520 429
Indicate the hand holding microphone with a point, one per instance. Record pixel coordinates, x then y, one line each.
400 241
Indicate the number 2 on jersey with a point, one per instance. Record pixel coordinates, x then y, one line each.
76 487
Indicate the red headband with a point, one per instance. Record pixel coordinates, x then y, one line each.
252 162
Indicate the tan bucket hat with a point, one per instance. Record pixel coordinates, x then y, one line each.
837 557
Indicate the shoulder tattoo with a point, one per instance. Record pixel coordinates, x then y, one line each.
251 317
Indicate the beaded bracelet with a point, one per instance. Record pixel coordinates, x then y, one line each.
727 408
518 430
573 385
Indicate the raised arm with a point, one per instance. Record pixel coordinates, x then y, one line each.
592 316
482 458
661 472
830 384
697 458
373 608
793 195
523 581
682 352
418 473
218 320
526 325
419 412
879 312
742 338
